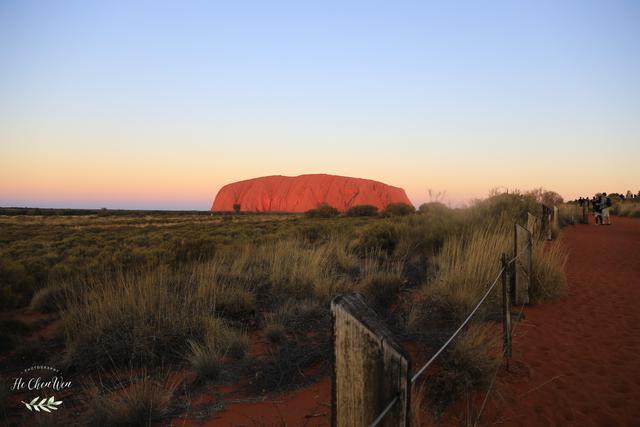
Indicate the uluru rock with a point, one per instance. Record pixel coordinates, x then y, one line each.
300 193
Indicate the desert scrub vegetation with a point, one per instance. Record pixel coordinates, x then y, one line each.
362 210
548 278
40 250
467 364
627 208
569 214
465 267
186 291
322 211
138 402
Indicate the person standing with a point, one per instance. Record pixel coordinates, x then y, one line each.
597 210
605 204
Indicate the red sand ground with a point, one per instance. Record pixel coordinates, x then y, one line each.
576 361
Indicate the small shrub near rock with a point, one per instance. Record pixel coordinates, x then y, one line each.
383 236
362 210
322 211
398 209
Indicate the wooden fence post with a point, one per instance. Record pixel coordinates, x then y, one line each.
370 368
533 224
523 265
545 228
506 310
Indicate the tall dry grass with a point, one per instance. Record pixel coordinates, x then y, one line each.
548 276
627 208
466 266
570 214
144 317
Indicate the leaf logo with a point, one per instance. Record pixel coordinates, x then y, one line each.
46 405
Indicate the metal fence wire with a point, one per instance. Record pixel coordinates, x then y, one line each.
506 265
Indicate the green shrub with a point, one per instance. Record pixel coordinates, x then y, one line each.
322 211
362 210
398 209
433 207
314 233
382 236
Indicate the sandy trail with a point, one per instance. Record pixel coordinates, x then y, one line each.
576 361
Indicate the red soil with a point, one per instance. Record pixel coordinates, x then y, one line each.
576 361
304 192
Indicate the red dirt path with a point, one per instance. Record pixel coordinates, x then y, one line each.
577 360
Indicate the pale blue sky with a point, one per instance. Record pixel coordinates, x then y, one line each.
158 104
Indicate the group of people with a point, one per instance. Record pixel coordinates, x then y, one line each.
600 205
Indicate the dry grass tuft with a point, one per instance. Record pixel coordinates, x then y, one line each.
466 266
548 278
206 360
132 317
143 403
470 362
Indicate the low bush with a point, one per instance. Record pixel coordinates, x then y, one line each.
362 210
398 209
322 211
314 233
382 236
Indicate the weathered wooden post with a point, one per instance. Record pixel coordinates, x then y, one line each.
506 310
523 265
545 228
533 224
370 368
555 220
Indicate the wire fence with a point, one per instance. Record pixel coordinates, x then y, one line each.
507 265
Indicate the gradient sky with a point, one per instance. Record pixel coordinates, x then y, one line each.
151 104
